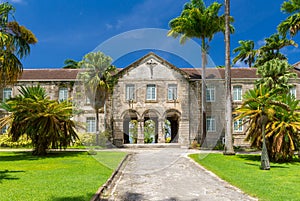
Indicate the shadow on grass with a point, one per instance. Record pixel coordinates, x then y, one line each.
7 175
257 158
27 156
73 198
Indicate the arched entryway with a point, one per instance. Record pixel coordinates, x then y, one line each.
130 127
150 126
172 118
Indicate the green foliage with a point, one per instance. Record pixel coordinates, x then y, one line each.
242 171
282 124
275 74
291 24
133 130
47 122
71 64
15 41
149 131
246 52
271 50
23 141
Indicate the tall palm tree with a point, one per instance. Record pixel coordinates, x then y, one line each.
15 41
291 24
246 52
98 80
228 149
47 122
271 49
198 21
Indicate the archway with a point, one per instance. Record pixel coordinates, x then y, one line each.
172 118
150 126
130 127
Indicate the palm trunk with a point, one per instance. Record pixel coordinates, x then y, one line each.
97 126
203 93
265 162
228 149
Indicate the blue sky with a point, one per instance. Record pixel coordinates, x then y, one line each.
72 28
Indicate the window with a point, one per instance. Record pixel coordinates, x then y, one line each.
237 93
210 124
293 91
210 94
63 94
4 129
130 92
90 125
237 125
87 100
7 93
151 92
172 92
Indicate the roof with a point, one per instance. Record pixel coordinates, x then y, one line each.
49 74
219 73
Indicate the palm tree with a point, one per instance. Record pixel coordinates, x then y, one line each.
291 24
15 41
47 122
71 64
247 53
228 149
198 21
273 123
271 49
98 80
275 74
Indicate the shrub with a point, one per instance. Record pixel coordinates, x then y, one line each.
23 141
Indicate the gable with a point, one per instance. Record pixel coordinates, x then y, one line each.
152 67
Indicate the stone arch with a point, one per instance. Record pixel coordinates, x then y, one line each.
153 116
172 116
129 117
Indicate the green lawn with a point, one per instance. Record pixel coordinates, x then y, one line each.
59 176
282 182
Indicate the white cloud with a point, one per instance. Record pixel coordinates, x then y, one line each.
17 1
261 42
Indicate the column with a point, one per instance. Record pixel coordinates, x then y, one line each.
140 137
161 131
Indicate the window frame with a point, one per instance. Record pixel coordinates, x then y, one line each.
65 94
238 128
172 92
210 120
90 124
238 93
210 94
151 86
130 95
293 91
5 91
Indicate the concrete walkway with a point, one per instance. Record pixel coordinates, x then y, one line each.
168 174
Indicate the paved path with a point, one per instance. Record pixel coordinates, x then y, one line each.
167 174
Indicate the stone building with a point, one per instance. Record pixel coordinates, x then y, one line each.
153 101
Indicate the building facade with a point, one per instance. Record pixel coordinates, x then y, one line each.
153 101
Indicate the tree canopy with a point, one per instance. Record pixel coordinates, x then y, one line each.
15 41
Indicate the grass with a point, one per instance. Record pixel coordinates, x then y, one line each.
59 176
243 171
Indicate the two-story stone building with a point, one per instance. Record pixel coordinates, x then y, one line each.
152 89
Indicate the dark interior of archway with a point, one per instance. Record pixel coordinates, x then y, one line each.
126 132
174 128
